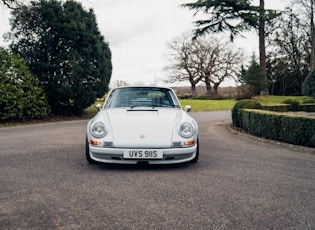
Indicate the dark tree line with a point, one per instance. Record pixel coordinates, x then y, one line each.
289 56
61 44
286 40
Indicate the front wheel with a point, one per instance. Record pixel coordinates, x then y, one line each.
197 153
87 152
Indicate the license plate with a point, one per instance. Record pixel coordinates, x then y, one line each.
143 154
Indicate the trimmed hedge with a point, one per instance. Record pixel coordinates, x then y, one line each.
294 104
309 101
282 108
277 108
271 122
307 107
298 130
243 104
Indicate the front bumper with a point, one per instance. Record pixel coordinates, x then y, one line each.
170 156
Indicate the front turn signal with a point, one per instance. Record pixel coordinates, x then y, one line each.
94 143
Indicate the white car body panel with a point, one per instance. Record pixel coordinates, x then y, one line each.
142 128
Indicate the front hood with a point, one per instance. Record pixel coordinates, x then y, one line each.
151 128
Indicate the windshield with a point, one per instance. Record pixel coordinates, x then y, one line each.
142 97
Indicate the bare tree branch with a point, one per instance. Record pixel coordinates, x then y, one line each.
12 4
202 59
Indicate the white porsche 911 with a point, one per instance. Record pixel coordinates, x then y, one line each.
142 125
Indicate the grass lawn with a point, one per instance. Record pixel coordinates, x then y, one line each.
208 105
217 105
273 100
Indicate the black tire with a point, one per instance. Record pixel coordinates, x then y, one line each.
87 152
197 153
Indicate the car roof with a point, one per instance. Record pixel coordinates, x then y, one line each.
159 87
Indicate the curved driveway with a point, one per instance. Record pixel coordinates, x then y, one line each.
238 183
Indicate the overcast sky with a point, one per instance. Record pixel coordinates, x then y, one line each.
138 32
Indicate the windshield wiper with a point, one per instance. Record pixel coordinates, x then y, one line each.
164 106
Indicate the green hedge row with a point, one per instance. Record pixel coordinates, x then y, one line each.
298 130
282 108
286 108
307 107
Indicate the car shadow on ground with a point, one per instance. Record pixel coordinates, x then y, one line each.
141 167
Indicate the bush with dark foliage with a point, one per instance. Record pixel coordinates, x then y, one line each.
21 95
243 104
308 86
294 104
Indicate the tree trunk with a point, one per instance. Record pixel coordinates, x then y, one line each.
193 90
208 86
215 88
312 64
262 47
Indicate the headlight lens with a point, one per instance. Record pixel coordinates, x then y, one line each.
186 130
98 129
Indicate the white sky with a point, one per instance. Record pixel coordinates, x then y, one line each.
138 32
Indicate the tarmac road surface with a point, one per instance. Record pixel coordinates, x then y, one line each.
238 183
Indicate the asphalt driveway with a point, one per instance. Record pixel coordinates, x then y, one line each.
238 183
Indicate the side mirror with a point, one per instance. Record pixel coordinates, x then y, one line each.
187 108
99 107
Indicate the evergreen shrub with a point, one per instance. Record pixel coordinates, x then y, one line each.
308 86
21 95
243 104
294 104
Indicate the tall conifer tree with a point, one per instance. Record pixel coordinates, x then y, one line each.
62 45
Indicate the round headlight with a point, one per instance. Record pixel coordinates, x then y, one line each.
186 130
98 129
